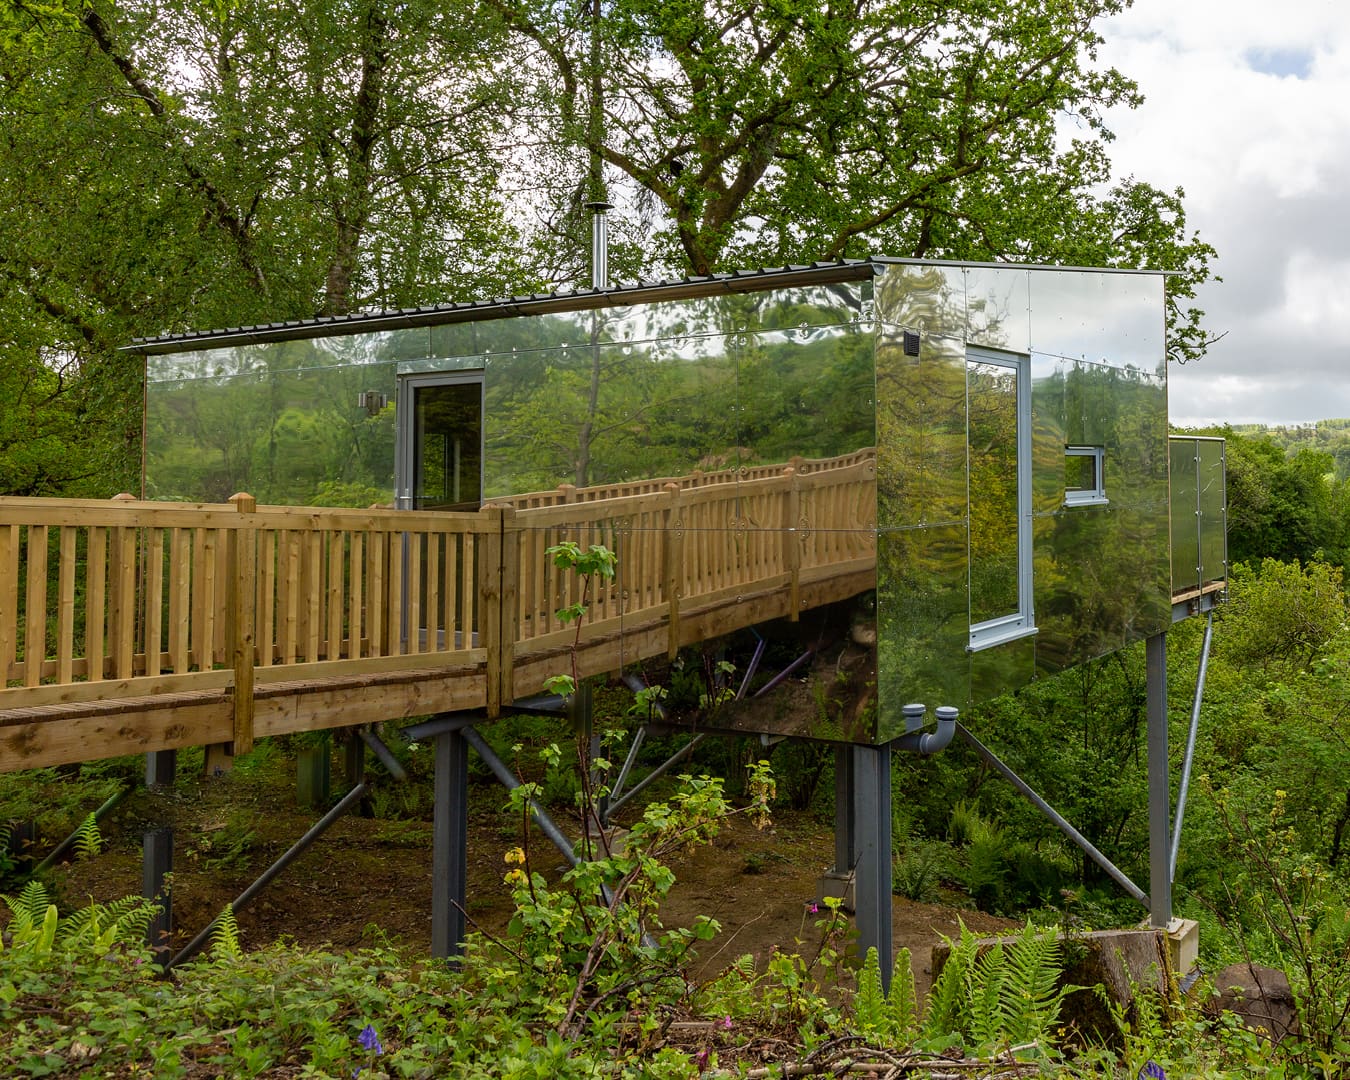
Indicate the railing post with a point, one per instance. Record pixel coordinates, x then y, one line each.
792 513
240 619
673 554
490 604
509 627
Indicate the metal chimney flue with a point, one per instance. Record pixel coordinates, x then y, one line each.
599 243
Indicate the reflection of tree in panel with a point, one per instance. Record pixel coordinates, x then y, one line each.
992 440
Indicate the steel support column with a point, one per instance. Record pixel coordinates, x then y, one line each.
1159 787
872 825
160 768
156 865
449 860
845 828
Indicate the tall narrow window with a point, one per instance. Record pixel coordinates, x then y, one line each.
998 454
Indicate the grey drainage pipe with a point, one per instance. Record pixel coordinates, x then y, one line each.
927 742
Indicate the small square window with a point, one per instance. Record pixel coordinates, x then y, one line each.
1084 484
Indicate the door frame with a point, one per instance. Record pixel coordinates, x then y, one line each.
405 459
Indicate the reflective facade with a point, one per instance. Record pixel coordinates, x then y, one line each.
1011 424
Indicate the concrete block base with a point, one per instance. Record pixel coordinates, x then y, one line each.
833 884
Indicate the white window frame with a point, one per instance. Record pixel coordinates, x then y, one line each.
1095 495
1022 622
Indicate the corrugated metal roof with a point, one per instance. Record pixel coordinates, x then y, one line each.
639 291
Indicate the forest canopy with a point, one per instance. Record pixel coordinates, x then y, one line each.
181 165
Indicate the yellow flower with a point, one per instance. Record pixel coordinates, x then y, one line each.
515 876
515 855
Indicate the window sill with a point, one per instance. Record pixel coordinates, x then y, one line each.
988 638
1086 500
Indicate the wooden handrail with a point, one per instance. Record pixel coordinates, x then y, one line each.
106 602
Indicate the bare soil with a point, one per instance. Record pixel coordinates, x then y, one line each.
367 877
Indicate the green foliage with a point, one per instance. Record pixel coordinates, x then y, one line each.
890 1017
1287 904
225 943
36 925
1282 614
88 839
1000 996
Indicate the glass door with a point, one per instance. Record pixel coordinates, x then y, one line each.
440 442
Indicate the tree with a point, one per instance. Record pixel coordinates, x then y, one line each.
173 166
760 133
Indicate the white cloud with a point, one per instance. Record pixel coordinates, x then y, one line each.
1248 109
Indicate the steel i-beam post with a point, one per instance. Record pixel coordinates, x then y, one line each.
156 865
449 862
872 824
1159 786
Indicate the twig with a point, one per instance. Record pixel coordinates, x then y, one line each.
727 944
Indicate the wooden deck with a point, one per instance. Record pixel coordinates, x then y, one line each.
128 626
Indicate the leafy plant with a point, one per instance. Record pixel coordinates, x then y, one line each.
891 1017
999 996
225 943
36 925
88 839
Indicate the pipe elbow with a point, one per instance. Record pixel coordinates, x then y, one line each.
932 742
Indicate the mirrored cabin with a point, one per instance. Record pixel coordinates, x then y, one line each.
853 485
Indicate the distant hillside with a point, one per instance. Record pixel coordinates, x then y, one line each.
1331 437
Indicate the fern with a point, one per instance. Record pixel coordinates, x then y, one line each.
30 906
987 983
1003 995
902 1010
101 926
225 937
36 924
891 1016
869 1003
88 840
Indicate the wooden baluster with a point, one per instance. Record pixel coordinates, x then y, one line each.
375 592
180 593
65 612
333 645
432 574
509 632
241 595
489 603
792 542
122 613
314 588
355 594
267 597
290 608
154 600
95 577
9 598
35 607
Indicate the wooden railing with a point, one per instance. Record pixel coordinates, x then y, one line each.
126 600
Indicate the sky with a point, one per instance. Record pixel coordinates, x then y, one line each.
1248 110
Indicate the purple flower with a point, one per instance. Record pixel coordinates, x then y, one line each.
1153 1071
814 909
370 1040
727 1023
702 1060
